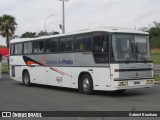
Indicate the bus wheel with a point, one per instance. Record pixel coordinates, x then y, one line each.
26 78
87 84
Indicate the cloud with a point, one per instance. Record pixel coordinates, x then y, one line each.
80 14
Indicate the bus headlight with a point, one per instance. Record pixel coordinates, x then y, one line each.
149 81
125 83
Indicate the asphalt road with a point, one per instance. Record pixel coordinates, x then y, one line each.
16 97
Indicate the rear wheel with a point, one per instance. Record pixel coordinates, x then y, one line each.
26 78
87 84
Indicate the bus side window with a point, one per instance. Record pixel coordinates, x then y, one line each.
38 47
81 46
66 44
35 50
79 43
18 49
62 44
51 45
41 46
48 46
30 47
12 49
83 43
69 45
87 42
27 48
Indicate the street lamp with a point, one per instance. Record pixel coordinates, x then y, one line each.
63 15
46 21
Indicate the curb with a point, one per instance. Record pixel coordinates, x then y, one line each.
155 82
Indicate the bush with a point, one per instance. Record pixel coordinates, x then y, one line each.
155 42
5 68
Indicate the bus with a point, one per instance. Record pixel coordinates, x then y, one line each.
103 59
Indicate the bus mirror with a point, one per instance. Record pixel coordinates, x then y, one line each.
0 57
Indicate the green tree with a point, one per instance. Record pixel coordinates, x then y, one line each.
29 35
154 33
7 27
156 24
43 33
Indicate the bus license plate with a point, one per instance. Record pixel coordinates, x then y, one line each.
136 82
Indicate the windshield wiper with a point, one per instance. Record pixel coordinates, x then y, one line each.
141 55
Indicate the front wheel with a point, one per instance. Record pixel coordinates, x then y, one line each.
87 84
26 78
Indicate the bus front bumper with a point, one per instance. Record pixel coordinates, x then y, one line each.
119 84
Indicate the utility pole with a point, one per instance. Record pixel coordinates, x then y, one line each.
63 15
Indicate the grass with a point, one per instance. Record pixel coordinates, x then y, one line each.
5 68
157 78
156 59
156 55
155 51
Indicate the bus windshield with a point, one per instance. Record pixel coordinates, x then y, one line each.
126 48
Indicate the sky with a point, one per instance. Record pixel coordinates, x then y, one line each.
80 14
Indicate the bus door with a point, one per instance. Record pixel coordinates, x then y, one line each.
101 58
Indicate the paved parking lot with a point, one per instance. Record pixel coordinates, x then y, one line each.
14 96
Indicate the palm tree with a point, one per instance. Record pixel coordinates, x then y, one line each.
7 27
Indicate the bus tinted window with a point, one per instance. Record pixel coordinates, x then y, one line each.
27 49
100 48
18 49
66 44
12 49
87 42
38 47
51 45
83 43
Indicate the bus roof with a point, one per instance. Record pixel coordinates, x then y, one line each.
105 29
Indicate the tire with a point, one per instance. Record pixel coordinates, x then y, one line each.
87 84
26 79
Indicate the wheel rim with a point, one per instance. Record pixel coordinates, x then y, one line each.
86 84
26 79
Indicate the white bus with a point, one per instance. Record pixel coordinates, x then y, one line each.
105 59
